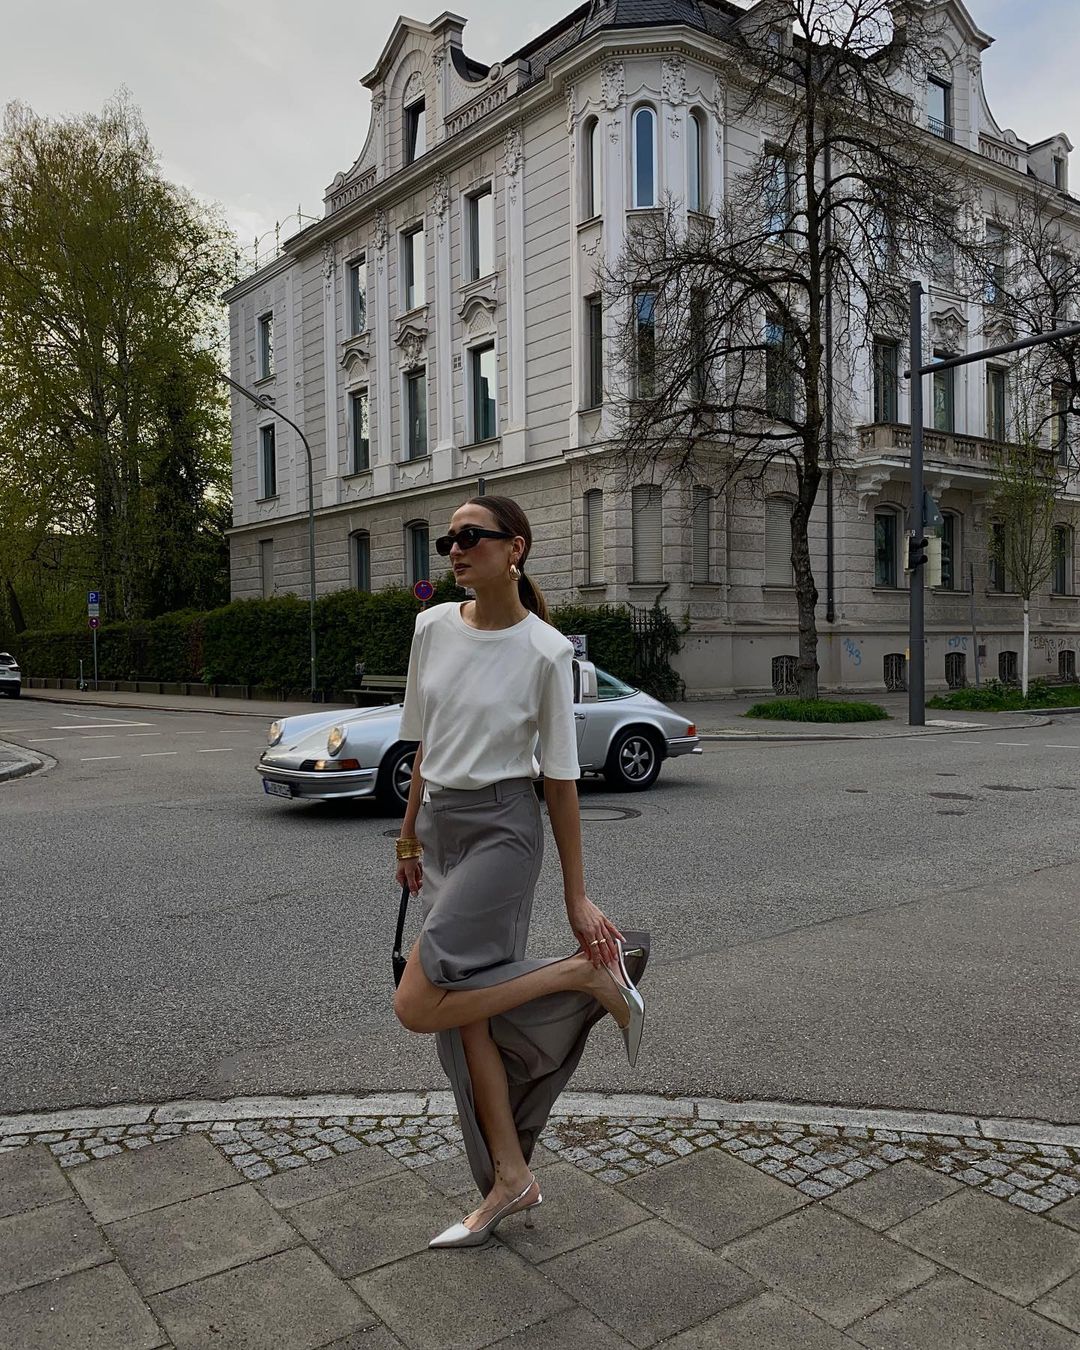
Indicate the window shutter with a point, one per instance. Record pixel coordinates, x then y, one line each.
778 542
594 536
702 523
647 533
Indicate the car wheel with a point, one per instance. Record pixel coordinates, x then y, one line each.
14 693
633 762
395 776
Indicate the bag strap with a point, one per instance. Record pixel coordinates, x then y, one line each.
401 920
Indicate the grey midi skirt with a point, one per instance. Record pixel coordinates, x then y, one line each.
482 854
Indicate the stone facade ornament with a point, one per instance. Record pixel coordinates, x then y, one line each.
382 229
440 202
328 266
512 160
947 330
412 341
414 88
571 109
611 82
673 79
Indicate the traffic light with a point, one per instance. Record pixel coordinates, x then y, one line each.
915 553
933 560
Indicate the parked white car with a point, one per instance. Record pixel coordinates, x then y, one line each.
10 676
623 734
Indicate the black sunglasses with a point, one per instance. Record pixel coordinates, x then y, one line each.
467 537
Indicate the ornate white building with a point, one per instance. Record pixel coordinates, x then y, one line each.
441 324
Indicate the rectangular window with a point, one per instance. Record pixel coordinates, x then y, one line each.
1059 423
881 240
645 344
419 561
356 298
778 568
699 339
884 548
997 556
415 130
994 291
265 357
886 376
416 413
943 264
939 108
1063 560
944 396
1059 288
594 345
481 215
594 537
483 371
361 560
359 426
413 269
949 557
646 534
995 404
702 533
266 567
267 461
779 370
1059 172
778 192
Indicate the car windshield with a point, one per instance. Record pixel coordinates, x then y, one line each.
607 686
7 660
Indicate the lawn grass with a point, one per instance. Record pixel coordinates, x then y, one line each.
997 697
817 710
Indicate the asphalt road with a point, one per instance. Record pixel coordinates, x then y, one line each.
884 923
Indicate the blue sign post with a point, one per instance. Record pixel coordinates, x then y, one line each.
423 590
93 612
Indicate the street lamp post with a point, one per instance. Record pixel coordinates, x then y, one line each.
916 628
267 404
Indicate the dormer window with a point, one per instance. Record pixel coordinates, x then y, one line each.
939 108
1059 172
415 130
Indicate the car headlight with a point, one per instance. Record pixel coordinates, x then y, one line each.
335 740
277 730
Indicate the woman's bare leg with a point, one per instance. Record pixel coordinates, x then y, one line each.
491 1097
424 1007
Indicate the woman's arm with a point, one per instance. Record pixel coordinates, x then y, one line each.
588 922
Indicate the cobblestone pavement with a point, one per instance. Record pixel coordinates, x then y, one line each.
817 1160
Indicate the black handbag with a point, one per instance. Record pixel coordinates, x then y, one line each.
397 959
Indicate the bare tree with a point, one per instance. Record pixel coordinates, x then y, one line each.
738 327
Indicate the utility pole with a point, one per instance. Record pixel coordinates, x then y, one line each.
916 537
267 404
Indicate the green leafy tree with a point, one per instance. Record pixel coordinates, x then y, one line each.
110 328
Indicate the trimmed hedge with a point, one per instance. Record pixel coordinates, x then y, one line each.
265 643
817 710
996 697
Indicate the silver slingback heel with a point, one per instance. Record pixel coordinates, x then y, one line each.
635 1004
458 1235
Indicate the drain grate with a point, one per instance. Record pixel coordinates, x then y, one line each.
608 813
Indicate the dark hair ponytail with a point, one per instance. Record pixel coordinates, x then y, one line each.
511 518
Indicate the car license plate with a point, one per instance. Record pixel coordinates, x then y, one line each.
276 789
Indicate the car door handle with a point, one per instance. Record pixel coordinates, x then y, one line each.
579 717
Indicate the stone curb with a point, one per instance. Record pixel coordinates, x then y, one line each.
959 729
581 1105
45 696
26 761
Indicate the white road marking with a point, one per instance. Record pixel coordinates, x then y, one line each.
221 750
1012 742
157 754
193 733
1063 747
40 740
90 759
133 734
108 736
100 726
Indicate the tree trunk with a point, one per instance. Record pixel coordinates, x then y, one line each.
806 592
1027 638
18 620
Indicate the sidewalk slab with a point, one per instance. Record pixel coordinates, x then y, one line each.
950 1312
43 1244
577 1210
888 1198
30 1177
97 1309
132 1183
765 1321
290 1301
1015 1254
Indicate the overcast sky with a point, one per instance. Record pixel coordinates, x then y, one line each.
258 105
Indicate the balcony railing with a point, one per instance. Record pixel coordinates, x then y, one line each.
939 128
949 447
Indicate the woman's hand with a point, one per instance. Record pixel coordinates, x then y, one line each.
593 930
411 871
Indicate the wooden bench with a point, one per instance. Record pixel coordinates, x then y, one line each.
378 689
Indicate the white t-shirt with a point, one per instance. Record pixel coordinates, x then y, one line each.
478 700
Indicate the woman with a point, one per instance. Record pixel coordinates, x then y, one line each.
485 678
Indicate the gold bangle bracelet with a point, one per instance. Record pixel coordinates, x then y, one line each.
408 848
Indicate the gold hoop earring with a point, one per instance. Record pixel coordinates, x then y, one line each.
515 575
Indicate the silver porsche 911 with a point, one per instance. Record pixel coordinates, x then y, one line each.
623 734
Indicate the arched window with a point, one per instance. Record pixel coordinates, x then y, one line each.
886 545
417 556
644 157
594 537
695 168
593 168
360 560
778 569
